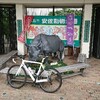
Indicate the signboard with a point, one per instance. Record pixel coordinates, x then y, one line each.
86 31
21 34
53 25
70 29
19 23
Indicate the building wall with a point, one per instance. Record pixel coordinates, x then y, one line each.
43 1
85 41
67 2
20 13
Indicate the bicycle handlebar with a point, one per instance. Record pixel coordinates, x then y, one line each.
19 56
44 59
13 60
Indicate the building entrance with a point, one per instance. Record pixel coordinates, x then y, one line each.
8 39
96 31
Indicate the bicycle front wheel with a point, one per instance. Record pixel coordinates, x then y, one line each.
54 81
16 81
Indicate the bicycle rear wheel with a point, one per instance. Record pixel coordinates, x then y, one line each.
54 81
16 81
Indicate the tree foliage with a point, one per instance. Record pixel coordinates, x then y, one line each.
66 11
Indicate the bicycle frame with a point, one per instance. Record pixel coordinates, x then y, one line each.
28 71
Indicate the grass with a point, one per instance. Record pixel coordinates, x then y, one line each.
55 65
59 64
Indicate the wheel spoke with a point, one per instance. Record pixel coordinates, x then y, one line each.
16 81
54 81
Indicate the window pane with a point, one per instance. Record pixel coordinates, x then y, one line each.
39 11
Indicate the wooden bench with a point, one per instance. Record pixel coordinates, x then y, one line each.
79 67
5 58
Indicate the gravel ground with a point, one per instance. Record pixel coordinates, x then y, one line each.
74 88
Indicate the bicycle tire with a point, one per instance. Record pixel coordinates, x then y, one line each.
16 81
45 86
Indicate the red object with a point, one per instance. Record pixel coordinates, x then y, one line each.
27 22
21 38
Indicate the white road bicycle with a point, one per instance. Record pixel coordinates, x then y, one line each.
49 79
